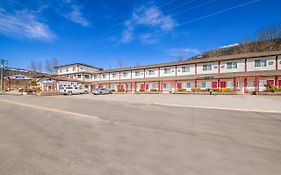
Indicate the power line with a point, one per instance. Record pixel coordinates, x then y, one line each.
194 20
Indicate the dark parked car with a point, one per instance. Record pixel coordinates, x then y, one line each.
101 91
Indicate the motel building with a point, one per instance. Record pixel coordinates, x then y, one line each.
242 73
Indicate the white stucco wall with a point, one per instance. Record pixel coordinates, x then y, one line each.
251 64
122 77
172 71
141 73
116 76
104 76
156 73
279 62
240 66
191 67
213 71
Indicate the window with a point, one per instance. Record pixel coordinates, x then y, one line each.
207 67
125 74
185 69
87 76
95 77
186 85
137 73
260 63
229 84
66 70
231 65
79 76
262 83
60 71
103 75
113 86
167 71
113 75
73 68
203 85
151 72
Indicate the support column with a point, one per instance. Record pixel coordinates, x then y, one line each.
234 84
257 83
245 85
175 86
195 83
219 83
276 81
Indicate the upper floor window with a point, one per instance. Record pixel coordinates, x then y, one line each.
151 72
60 71
260 63
66 70
137 73
113 75
79 76
207 67
103 75
167 71
125 74
185 69
231 65
73 68
95 77
87 76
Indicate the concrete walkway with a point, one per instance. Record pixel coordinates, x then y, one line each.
225 102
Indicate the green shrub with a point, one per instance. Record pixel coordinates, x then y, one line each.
216 89
113 90
153 90
38 89
33 83
195 89
142 90
181 90
25 89
120 90
226 90
271 88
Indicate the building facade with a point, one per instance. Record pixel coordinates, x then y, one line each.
242 73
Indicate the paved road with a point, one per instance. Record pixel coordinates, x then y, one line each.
71 136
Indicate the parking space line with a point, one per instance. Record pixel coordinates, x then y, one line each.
51 109
219 108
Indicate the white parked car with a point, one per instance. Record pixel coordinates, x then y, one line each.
69 90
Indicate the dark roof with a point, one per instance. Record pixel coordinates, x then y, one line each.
79 64
196 60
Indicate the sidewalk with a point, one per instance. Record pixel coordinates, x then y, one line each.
226 102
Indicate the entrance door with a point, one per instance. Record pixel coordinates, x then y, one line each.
214 84
223 84
241 86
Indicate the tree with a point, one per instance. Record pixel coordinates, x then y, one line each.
50 65
33 66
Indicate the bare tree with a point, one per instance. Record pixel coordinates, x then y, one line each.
181 56
50 65
33 66
39 65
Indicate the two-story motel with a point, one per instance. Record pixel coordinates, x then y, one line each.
242 72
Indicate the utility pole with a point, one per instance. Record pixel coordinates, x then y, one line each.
3 64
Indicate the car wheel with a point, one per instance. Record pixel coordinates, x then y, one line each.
69 93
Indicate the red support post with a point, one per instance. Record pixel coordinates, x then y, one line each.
235 84
276 80
245 85
195 84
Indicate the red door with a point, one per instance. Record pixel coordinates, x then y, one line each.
279 83
214 84
142 86
270 82
223 84
179 85
121 86
146 86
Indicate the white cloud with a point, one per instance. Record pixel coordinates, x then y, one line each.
24 24
75 15
185 52
151 17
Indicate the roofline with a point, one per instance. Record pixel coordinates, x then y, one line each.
78 64
195 61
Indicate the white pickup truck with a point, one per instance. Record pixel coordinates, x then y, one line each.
69 90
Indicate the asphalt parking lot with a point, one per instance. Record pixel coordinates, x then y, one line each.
83 135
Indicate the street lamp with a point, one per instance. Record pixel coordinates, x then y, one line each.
3 65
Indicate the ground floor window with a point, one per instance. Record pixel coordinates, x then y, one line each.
229 84
186 85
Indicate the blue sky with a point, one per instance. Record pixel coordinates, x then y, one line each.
100 32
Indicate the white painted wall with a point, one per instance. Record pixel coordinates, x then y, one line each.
191 67
156 73
172 71
75 68
141 73
116 76
213 71
122 77
240 66
96 77
251 64
104 76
